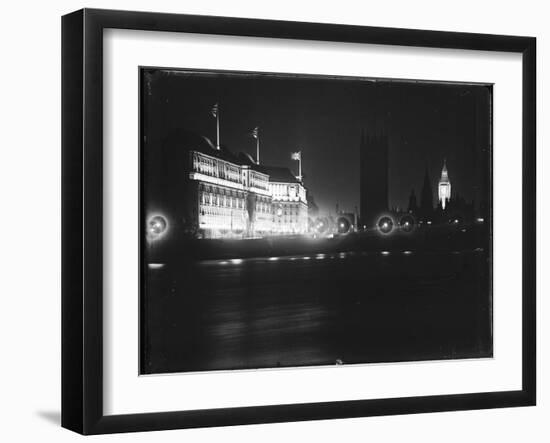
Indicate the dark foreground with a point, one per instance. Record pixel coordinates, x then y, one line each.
316 309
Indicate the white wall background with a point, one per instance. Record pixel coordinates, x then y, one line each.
30 204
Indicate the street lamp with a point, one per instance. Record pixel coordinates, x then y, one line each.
157 225
407 223
385 225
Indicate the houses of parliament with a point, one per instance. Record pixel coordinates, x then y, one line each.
449 206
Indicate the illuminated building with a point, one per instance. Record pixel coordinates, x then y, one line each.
206 192
233 199
289 202
444 187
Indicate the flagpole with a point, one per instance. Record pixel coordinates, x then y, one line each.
218 129
300 166
256 134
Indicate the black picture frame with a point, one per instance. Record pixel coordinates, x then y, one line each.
82 217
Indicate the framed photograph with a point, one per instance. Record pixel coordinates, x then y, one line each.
270 221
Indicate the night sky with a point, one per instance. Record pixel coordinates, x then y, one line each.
324 117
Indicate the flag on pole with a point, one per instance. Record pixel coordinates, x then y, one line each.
255 132
214 110
296 155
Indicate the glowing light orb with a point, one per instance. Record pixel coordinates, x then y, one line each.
322 225
385 225
344 225
156 226
407 223
456 220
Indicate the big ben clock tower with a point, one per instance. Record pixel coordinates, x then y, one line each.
444 186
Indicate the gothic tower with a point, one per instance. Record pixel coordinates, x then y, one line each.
444 186
413 207
426 198
373 176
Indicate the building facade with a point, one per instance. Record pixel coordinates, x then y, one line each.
289 202
236 198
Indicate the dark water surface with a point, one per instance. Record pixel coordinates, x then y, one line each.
316 309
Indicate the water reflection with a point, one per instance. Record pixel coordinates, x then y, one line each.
294 311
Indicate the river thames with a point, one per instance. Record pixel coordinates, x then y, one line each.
316 309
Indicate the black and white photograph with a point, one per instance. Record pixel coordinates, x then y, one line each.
288 221
291 220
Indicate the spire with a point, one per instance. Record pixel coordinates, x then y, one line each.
426 183
444 173
413 207
426 198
